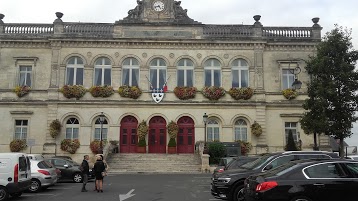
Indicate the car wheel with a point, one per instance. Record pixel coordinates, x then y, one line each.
16 195
35 186
77 177
4 195
301 198
239 193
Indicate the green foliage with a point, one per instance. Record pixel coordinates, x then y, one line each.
245 147
332 99
291 145
142 130
101 91
142 142
70 146
241 93
172 142
55 128
73 91
216 151
129 91
173 129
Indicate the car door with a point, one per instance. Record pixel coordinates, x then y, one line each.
352 169
64 167
326 181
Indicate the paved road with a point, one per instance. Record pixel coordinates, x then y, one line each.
147 187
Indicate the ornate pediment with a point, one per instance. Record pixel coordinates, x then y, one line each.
158 11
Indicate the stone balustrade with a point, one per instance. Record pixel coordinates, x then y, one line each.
88 28
287 32
13 28
228 30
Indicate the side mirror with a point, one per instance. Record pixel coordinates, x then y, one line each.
268 167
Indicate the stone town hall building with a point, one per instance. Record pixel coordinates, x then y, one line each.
156 45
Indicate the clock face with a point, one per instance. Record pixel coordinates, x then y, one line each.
158 6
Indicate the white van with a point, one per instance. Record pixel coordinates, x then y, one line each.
15 174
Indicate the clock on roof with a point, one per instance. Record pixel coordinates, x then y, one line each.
158 6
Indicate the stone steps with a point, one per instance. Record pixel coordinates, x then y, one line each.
153 163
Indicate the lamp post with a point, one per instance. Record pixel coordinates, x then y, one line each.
101 120
205 120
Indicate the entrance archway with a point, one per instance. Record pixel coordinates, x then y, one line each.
157 139
186 135
128 135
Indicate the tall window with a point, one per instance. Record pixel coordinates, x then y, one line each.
72 128
25 76
212 130
130 74
74 71
185 73
97 130
241 130
287 75
158 73
212 72
21 127
293 127
102 72
240 73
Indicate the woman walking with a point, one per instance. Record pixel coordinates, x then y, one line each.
99 171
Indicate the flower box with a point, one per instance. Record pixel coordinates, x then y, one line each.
213 92
22 90
129 91
70 146
289 94
241 93
101 91
73 91
172 150
141 149
185 93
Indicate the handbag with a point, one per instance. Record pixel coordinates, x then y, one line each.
104 174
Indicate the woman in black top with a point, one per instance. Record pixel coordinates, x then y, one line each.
99 167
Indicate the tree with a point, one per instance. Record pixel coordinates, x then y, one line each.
291 145
332 99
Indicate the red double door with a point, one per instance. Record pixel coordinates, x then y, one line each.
157 135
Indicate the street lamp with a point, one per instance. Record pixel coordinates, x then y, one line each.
296 84
101 120
205 120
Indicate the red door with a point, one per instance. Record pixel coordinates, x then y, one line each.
128 135
186 135
157 139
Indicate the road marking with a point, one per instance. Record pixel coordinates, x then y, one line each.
37 195
126 196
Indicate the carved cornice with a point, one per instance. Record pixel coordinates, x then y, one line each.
25 44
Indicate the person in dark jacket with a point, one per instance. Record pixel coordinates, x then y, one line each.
85 172
99 168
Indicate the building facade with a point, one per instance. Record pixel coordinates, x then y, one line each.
183 69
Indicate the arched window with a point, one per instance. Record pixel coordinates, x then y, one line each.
72 128
185 73
130 72
158 73
213 130
212 73
97 129
74 71
102 72
240 73
241 130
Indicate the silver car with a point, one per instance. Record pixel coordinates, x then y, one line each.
43 175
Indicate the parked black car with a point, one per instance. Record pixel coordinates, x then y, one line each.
229 184
234 163
69 169
305 180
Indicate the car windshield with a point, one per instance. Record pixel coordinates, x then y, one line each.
256 163
282 169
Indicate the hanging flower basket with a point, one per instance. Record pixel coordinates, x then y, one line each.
185 93
289 94
101 91
241 93
70 146
55 128
213 92
256 129
173 129
17 145
73 91
22 90
129 92
142 130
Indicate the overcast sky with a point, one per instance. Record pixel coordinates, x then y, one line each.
273 13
